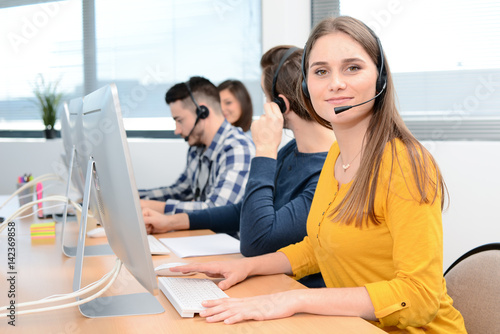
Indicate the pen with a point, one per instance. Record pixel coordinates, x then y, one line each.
39 194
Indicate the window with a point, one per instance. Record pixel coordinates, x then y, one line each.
38 39
143 46
445 62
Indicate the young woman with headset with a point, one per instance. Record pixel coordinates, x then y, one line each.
374 228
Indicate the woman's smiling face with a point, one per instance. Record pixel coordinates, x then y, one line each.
230 105
341 73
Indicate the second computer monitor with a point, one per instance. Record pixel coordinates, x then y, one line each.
112 185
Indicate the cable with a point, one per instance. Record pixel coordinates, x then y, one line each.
41 209
30 194
74 294
26 206
28 184
83 301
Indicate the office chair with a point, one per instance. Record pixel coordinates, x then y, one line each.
473 282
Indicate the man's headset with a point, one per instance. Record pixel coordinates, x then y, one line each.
276 99
201 111
381 79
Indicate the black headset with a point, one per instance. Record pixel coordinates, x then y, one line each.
201 111
382 73
276 99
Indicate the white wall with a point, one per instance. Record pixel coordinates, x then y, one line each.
471 172
285 22
155 162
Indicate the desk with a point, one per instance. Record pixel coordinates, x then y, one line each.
42 270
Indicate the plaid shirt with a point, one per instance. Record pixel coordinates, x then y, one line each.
227 161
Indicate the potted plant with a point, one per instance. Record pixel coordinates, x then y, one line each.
48 100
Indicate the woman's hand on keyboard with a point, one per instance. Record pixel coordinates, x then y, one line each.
233 271
265 307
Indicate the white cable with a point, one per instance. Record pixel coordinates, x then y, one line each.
55 298
28 184
83 301
31 193
41 209
55 198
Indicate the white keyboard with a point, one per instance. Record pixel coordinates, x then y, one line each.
186 294
156 246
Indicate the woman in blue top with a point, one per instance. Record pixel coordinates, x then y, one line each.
281 185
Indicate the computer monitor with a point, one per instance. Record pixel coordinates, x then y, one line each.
110 180
74 157
67 115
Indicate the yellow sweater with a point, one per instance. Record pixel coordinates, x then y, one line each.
400 261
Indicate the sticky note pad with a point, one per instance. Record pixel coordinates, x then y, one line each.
43 230
43 225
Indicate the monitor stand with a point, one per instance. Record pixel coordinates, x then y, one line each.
111 306
70 251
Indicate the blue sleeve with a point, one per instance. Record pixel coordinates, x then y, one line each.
222 219
262 228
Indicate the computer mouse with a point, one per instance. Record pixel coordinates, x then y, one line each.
97 232
164 269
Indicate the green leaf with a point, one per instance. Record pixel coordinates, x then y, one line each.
47 100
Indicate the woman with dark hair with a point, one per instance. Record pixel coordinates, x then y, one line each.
236 103
374 230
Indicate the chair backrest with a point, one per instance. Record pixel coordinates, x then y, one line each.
473 282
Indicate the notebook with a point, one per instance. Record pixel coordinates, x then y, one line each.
203 245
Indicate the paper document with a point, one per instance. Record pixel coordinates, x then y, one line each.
203 245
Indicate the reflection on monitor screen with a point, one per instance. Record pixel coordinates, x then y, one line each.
110 181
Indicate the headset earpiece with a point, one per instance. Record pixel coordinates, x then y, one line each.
304 82
201 111
281 103
276 99
382 73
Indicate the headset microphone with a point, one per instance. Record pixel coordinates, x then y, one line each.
339 110
192 129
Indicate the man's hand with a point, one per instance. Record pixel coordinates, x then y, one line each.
157 206
155 222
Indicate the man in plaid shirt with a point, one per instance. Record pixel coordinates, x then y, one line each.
218 160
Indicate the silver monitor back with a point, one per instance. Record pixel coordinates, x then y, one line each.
118 206
72 134
67 116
